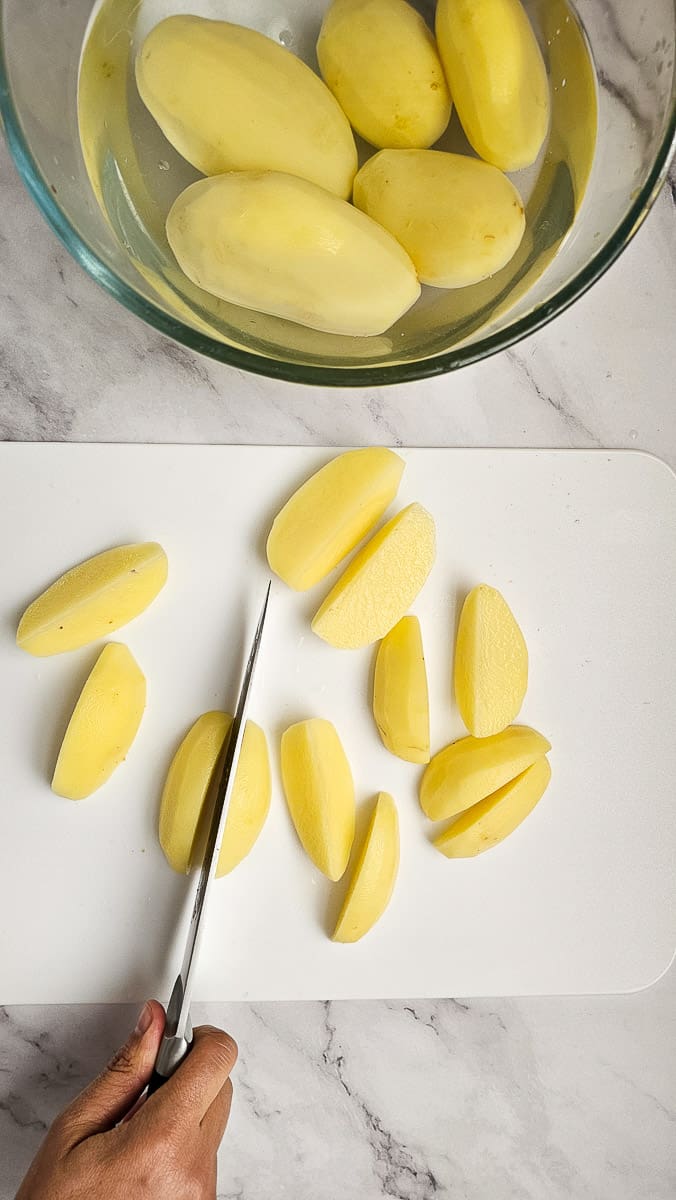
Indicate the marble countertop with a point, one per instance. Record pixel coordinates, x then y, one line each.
538 1099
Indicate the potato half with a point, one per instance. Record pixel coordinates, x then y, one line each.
93 599
400 695
492 820
491 663
103 726
320 793
330 513
375 874
187 805
473 768
380 583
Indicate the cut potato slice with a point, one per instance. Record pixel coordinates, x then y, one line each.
491 663
473 768
332 511
380 60
497 78
493 819
250 800
103 726
375 874
400 695
380 583
229 98
93 599
320 793
186 806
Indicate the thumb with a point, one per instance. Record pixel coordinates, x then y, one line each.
101 1105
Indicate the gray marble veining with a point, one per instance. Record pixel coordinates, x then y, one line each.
570 1099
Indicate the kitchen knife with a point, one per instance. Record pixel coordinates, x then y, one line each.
178 1036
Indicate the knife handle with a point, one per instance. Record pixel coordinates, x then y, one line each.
156 1081
173 1051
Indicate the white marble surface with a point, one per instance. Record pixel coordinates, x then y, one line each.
530 1100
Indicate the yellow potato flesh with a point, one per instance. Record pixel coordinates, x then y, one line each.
491 663
400 696
493 819
497 78
380 583
93 599
332 511
230 99
103 726
281 245
459 219
320 793
375 874
380 61
473 768
187 805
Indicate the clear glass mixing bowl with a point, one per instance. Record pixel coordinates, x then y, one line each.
632 43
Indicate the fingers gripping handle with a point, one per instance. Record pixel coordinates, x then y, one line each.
172 1052
173 1048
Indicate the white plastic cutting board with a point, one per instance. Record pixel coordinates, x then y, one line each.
581 899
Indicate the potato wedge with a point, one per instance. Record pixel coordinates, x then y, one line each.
332 511
375 874
400 695
230 99
281 245
103 726
459 219
490 821
497 78
93 599
380 60
473 768
491 663
380 583
185 812
320 793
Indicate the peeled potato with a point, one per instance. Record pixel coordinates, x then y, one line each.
332 511
375 874
93 599
473 768
230 99
284 246
497 78
320 793
380 61
491 663
103 726
459 219
400 697
493 819
380 583
185 813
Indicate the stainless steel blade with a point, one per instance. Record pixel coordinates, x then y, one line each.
178 1029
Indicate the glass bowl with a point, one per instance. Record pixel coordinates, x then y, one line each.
583 204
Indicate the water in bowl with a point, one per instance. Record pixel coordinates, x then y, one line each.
136 175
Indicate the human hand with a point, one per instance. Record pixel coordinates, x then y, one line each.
164 1149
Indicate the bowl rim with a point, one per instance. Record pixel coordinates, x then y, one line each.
310 373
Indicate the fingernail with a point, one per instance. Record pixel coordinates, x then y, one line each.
145 1020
